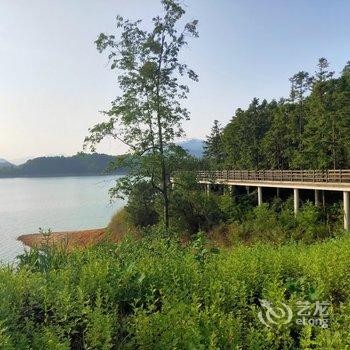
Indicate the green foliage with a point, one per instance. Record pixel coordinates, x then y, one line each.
156 293
308 223
235 208
309 130
276 223
141 208
213 146
100 327
148 115
191 209
236 215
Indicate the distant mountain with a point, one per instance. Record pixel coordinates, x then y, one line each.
193 146
80 164
4 163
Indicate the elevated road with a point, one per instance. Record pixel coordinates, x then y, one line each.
317 180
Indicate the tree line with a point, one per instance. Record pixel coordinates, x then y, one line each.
307 130
79 164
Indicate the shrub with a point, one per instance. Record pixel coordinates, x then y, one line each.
156 293
276 223
192 210
141 207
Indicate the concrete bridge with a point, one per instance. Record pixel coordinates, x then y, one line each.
317 180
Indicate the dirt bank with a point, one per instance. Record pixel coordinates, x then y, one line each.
69 238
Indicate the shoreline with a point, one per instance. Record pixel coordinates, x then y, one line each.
70 239
58 176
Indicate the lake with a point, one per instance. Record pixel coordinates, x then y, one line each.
59 203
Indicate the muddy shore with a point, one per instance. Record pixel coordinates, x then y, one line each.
69 238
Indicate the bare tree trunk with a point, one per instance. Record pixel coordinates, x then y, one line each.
161 145
164 176
333 145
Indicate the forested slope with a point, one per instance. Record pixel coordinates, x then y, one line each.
307 130
80 164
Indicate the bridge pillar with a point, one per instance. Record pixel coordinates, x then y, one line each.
296 201
323 198
317 198
231 190
260 196
207 189
346 196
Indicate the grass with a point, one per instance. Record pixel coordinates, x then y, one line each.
119 226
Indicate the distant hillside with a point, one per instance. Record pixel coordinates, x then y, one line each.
193 146
80 164
5 164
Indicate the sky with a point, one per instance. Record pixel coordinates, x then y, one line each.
53 82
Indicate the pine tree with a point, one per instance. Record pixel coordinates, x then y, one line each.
322 74
213 147
301 84
244 134
327 130
277 140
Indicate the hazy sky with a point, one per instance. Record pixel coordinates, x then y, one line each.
53 82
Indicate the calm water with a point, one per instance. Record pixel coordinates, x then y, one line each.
59 203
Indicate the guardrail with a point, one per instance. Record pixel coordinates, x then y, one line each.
332 176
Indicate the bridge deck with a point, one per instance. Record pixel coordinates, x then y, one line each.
331 180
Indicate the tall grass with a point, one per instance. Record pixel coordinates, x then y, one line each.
118 225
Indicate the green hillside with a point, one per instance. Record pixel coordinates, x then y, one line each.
80 164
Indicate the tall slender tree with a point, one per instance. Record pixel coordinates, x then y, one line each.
213 147
322 73
301 84
326 132
277 140
147 116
